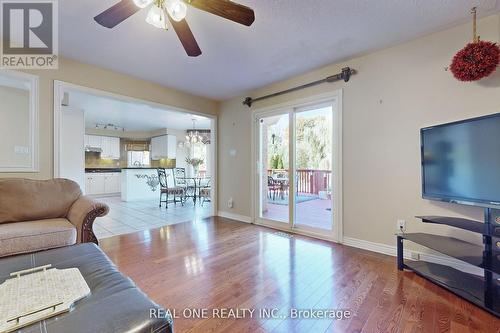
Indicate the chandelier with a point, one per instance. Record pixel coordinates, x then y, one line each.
194 136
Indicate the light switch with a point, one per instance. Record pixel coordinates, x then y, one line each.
21 150
232 152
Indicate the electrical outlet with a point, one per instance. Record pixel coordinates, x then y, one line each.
230 203
401 225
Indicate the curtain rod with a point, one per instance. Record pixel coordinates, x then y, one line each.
344 75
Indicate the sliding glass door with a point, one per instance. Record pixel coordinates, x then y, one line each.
297 181
313 167
274 165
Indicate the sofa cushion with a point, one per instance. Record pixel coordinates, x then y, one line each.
27 200
31 236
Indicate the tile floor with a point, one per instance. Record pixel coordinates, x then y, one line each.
128 217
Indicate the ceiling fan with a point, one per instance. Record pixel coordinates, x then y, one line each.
174 11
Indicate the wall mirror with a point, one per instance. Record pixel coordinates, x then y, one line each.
18 122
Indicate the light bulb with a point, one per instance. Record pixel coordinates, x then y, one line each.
177 9
157 18
143 3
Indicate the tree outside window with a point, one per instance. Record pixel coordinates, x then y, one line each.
199 150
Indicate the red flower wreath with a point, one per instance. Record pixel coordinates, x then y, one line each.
475 61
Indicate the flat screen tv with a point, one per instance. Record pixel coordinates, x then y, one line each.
461 161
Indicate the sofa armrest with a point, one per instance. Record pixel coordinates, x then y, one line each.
82 214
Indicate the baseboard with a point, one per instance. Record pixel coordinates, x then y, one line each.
412 255
237 217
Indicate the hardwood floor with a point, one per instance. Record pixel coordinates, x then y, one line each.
219 263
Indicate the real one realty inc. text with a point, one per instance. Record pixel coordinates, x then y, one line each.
245 313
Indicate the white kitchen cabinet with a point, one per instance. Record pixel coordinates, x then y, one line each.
88 183
157 150
172 147
102 183
115 148
105 146
94 183
110 146
112 182
164 146
94 141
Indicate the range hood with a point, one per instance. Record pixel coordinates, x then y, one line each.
89 149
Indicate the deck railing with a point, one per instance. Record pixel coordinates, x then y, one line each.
309 181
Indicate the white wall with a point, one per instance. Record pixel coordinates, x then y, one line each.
395 93
72 154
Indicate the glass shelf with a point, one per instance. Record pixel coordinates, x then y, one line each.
474 289
465 224
456 248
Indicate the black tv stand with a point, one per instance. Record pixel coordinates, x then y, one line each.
483 291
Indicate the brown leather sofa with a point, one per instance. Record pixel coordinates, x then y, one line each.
115 304
38 215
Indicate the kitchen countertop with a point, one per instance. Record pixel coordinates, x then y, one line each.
102 170
138 168
105 170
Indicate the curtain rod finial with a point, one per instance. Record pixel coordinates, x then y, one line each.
248 102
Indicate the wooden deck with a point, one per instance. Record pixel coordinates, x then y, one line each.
313 213
219 263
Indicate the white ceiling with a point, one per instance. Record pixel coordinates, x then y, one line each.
131 116
288 37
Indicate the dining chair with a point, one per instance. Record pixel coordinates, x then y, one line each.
272 187
181 181
284 188
206 191
165 189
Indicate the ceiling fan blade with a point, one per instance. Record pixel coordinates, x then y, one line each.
117 13
186 36
226 9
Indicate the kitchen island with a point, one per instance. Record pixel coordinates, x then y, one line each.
140 184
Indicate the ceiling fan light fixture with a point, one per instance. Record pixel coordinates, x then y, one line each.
177 9
143 3
157 18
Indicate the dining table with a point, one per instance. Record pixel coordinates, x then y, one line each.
195 182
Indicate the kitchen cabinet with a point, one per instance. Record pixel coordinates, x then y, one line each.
164 146
102 183
158 149
93 141
94 183
112 182
171 147
110 146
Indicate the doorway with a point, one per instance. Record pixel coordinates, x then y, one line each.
298 175
114 145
